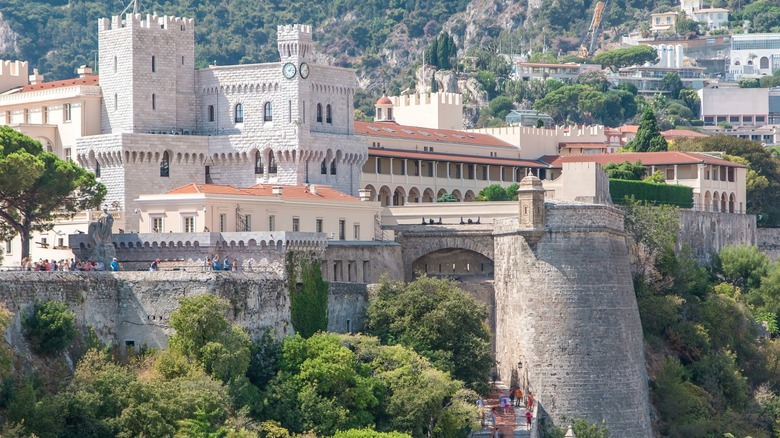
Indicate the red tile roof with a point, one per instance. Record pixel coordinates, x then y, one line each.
646 158
433 156
394 130
673 134
288 192
631 129
86 80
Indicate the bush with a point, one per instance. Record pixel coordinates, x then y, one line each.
49 327
664 194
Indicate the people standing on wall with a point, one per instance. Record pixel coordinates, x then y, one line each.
215 263
114 265
154 266
235 265
226 264
528 419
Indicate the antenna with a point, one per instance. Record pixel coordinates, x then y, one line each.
136 4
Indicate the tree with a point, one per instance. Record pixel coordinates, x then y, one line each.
493 192
626 170
618 58
309 298
501 106
438 320
743 266
37 188
648 136
653 231
673 84
204 335
50 326
691 100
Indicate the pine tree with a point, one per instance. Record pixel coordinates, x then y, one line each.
648 136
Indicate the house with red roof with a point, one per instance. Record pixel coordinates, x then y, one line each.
199 208
718 185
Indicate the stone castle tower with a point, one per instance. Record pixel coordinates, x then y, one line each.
147 74
567 322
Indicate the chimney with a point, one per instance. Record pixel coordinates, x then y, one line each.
364 194
313 189
36 78
277 190
84 71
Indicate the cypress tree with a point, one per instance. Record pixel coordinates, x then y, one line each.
648 136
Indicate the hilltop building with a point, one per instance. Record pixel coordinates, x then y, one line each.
754 55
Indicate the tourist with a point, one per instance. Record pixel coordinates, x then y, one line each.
114 265
154 266
493 422
530 401
528 418
235 265
100 265
518 397
512 397
215 263
226 264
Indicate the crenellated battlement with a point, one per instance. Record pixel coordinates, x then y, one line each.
292 31
14 68
421 99
149 21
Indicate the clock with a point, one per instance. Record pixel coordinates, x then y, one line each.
288 70
304 69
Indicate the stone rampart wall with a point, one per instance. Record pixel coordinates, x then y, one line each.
708 232
768 241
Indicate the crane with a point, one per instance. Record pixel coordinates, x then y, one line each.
588 43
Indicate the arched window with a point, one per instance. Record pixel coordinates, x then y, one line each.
258 163
97 169
324 167
154 65
271 162
154 101
239 113
319 113
165 165
267 112
764 62
737 62
328 118
333 167
211 113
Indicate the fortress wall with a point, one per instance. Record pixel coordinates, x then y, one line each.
708 232
768 241
371 261
567 323
347 304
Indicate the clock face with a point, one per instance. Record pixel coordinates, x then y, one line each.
304 70
288 70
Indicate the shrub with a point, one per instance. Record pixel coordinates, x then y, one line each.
652 193
49 327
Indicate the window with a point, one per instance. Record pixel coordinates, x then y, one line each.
66 112
271 162
760 119
26 115
114 64
116 102
157 224
356 231
328 118
668 20
324 167
239 113
60 242
68 154
211 113
366 271
165 165
154 101
342 229
318 226
296 224
267 112
222 222
319 113
657 20
763 62
333 167
258 163
154 65
669 174
248 222
44 115
182 60
271 223
8 247
97 169
189 224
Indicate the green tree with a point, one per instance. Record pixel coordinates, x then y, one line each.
49 326
501 106
648 136
743 266
368 433
309 297
539 123
204 335
37 188
653 232
691 100
438 320
493 192
673 84
619 58
626 170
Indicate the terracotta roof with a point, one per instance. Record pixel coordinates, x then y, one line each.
384 100
572 145
457 158
288 192
631 129
681 133
86 80
394 130
646 158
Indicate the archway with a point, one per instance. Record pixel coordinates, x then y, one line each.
385 196
440 193
399 196
707 201
457 263
428 196
414 195
732 201
723 201
372 192
457 195
469 196
715 202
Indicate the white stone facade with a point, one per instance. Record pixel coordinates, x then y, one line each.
165 124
